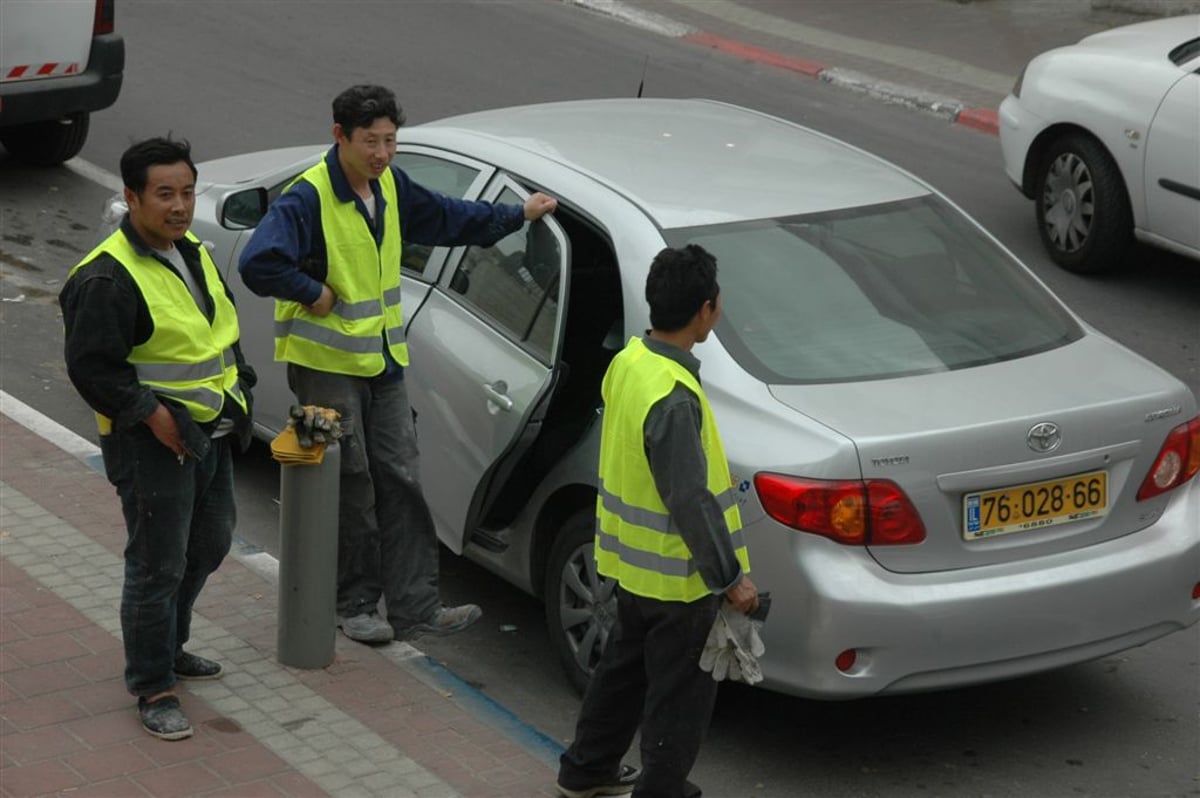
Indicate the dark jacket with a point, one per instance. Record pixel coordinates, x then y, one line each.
106 317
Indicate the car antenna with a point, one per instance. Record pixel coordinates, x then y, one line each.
642 82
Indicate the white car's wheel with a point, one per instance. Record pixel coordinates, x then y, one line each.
581 605
1082 206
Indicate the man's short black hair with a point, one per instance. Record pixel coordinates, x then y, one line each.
680 282
360 106
159 151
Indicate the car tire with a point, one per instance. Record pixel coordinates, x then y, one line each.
1083 213
47 143
581 605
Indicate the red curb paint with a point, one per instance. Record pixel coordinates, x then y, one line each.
812 69
984 119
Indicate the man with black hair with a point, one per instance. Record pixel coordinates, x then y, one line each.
152 346
329 251
669 531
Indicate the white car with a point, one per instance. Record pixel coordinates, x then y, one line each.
1104 137
59 61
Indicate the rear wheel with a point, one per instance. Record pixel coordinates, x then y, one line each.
1082 206
47 143
581 605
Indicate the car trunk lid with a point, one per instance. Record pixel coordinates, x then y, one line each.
951 439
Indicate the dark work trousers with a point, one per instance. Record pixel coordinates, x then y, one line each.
649 673
387 543
180 519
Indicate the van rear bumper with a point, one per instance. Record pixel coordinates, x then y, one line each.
44 99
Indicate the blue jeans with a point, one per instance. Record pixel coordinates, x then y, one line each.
387 543
180 520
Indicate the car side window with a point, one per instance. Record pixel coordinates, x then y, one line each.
450 178
516 282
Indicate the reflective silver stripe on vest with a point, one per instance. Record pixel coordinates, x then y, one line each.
323 335
392 296
638 516
179 372
661 522
667 566
197 396
396 335
356 311
229 358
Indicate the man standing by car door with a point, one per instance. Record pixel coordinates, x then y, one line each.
329 251
669 532
152 346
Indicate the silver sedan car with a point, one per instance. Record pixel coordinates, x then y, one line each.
946 477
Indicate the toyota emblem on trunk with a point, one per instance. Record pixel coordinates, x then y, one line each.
1044 437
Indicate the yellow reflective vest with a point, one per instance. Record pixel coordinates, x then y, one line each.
364 276
637 542
186 358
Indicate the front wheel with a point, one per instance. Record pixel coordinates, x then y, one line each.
581 605
1082 206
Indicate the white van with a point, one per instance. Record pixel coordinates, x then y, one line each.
59 61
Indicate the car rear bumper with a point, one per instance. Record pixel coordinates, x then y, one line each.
44 99
916 632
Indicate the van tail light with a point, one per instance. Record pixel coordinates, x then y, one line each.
1178 461
105 17
873 512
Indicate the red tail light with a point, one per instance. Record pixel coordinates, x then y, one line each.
874 512
105 17
1178 461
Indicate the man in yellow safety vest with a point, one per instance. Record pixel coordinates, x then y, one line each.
152 347
669 531
329 252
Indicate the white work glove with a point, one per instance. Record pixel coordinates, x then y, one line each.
718 650
733 647
748 645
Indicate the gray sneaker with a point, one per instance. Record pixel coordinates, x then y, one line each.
366 627
445 621
164 718
193 666
623 784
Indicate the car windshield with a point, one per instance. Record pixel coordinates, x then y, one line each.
874 292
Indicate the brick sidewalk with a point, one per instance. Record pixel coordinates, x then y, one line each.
372 723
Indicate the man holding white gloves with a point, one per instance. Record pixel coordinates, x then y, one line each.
669 532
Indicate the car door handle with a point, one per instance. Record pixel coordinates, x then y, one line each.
497 394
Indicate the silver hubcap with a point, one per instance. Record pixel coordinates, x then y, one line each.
587 607
1068 202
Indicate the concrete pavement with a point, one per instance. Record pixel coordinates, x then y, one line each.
378 721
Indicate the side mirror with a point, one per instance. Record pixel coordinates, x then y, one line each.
244 209
111 213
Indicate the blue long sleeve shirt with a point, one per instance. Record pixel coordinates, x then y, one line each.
285 257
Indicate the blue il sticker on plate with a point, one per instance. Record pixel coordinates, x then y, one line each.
973 513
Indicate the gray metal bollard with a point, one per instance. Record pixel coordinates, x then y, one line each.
308 532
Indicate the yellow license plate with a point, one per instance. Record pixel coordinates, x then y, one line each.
1035 505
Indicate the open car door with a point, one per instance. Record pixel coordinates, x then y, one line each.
484 348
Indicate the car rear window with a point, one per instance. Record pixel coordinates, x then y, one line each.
884 291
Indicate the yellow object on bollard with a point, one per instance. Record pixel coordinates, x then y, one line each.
308 429
286 449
